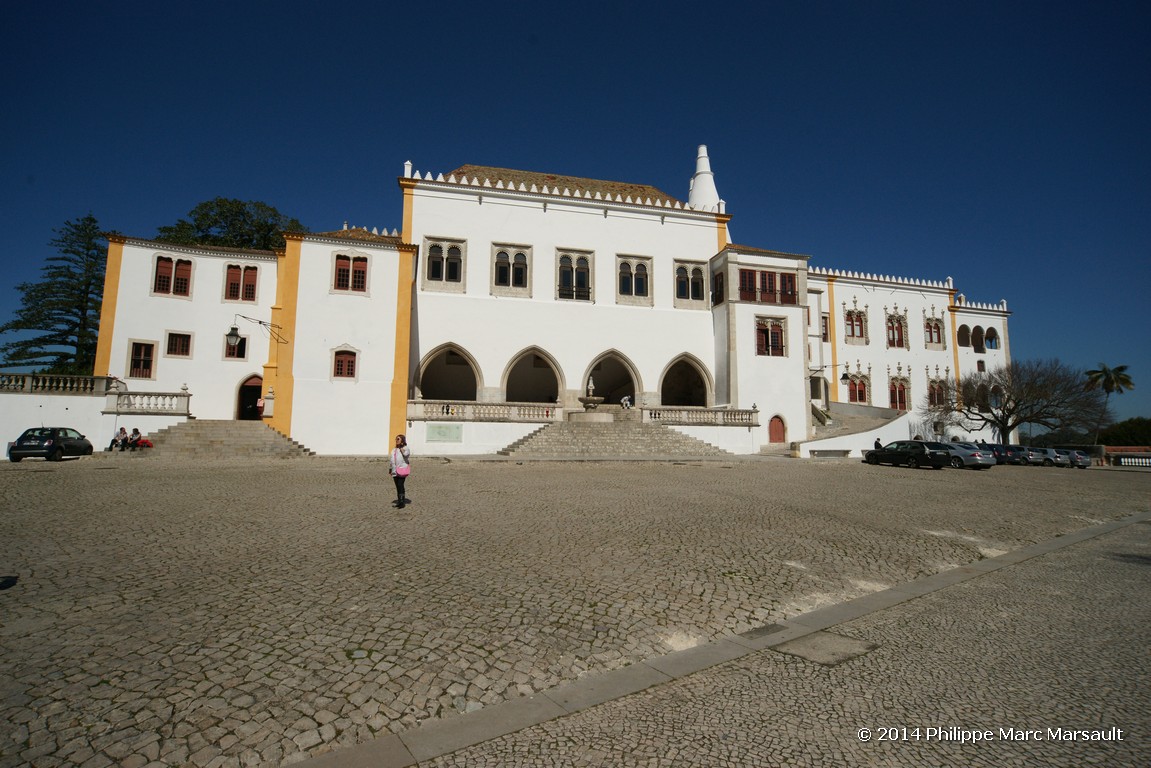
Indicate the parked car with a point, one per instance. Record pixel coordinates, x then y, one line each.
1016 454
51 443
1047 457
912 453
968 455
1075 458
996 450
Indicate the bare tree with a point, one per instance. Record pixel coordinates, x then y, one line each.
1047 393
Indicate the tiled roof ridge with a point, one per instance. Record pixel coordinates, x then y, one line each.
358 233
576 187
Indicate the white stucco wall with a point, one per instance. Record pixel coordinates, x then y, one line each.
333 415
205 315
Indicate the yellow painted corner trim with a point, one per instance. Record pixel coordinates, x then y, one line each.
831 338
405 265
112 268
280 371
954 332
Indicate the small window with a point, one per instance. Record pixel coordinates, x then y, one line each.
697 284
770 334
140 366
625 282
980 366
453 271
632 281
249 293
510 271
345 365
823 327
351 274
682 284
503 269
179 344
233 282
717 289
436 263
238 352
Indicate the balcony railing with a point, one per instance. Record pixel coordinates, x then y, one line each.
48 383
148 403
697 416
768 297
466 410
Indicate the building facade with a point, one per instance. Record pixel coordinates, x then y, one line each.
506 296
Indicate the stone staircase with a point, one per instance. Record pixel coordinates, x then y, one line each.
628 438
204 438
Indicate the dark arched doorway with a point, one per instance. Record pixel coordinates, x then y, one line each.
448 376
683 385
532 380
248 401
613 379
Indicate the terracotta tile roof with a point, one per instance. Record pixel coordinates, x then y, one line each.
640 192
767 251
356 233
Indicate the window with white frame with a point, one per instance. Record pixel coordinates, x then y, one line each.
511 270
859 388
344 364
633 281
855 325
933 337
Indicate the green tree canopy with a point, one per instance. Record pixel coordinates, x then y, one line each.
1110 380
1136 431
60 315
1045 393
232 223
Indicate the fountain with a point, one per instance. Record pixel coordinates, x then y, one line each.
590 402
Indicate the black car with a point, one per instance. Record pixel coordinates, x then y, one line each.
912 453
51 443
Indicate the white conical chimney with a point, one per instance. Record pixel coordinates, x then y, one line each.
703 193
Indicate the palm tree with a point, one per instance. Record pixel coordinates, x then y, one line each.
1110 380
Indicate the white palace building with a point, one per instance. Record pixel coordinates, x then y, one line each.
503 298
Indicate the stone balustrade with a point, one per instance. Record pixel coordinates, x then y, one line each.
463 410
694 416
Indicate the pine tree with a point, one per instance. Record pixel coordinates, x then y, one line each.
59 317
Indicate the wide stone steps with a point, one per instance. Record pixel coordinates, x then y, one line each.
619 439
221 439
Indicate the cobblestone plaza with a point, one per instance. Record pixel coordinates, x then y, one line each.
258 613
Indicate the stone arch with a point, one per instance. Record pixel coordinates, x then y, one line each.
525 380
991 338
448 372
776 430
686 381
615 376
963 336
977 338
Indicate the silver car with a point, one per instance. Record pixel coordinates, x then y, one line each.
1047 457
969 455
1074 458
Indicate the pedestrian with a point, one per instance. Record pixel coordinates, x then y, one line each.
400 467
878 444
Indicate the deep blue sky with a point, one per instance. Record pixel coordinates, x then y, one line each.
1006 144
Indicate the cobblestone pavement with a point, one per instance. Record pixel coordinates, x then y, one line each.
1015 668
221 614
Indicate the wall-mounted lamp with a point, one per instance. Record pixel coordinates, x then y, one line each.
232 338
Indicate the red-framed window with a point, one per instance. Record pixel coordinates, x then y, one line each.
787 291
238 352
233 282
172 277
717 289
249 288
898 395
857 390
823 328
853 324
894 332
933 332
182 281
351 274
746 285
344 366
769 339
